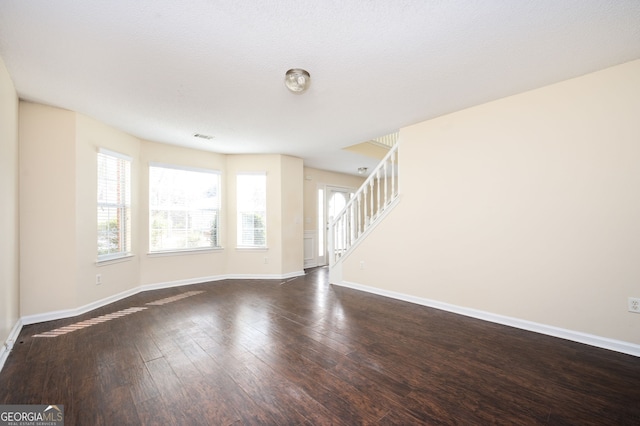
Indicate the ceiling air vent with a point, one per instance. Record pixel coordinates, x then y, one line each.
201 136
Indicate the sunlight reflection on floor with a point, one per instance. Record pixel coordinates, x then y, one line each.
108 317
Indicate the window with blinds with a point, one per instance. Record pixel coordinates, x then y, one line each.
252 209
114 205
184 208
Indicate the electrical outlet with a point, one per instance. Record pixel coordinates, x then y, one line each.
634 305
98 279
266 260
362 264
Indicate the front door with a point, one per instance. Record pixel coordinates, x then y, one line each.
331 200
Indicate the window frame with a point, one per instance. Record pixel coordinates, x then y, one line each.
239 213
123 206
217 210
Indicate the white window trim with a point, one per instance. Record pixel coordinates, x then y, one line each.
185 168
115 154
242 247
121 256
178 252
111 259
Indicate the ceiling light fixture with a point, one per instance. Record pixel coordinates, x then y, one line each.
297 80
362 170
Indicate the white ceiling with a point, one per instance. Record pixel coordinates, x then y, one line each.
164 70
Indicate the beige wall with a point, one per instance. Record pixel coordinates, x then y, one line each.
58 210
292 209
9 216
47 209
526 207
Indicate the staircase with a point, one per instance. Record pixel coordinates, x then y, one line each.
369 204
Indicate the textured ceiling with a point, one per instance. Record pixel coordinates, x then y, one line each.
164 70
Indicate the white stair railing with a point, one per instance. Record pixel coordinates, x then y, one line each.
365 207
389 140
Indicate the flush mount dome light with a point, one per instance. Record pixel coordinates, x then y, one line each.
297 80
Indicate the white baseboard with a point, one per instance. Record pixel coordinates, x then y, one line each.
576 336
68 313
8 344
263 276
179 283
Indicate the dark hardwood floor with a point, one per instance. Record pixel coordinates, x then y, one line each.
302 352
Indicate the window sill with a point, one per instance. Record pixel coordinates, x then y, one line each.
245 248
116 259
184 252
